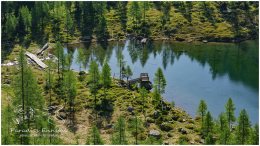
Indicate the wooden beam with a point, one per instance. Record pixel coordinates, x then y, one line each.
35 59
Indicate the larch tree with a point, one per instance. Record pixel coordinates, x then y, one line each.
135 14
230 109
243 128
94 81
202 109
25 18
27 93
208 124
94 137
71 90
143 93
119 134
156 96
61 59
10 25
160 81
135 126
223 129
106 77
255 135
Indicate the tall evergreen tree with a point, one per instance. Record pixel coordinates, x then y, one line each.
223 129
61 58
94 138
255 135
143 93
71 81
208 124
159 81
230 108
106 77
27 93
25 18
135 14
119 134
10 25
156 96
202 109
243 128
94 81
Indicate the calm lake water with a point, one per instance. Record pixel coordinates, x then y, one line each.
194 71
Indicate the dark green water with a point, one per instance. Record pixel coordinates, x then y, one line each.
194 71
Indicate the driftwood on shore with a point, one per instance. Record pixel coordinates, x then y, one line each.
46 46
36 60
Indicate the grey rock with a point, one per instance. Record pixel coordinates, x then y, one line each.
130 109
175 118
182 131
156 114
166 126
155 133
109 126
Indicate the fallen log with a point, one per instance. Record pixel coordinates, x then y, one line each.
42 49
36 60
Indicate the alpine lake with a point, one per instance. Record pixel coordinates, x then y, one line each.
193 71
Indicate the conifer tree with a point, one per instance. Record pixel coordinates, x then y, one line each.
202 109
243 128
255 135
106 77
94 138
223 129
159 81
119 134
230 108
143 93
208 124
10 25
94 81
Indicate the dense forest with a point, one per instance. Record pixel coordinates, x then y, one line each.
57 105
216 21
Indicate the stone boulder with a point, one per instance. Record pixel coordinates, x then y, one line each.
182 131
156 114
166 126
155 133
130 109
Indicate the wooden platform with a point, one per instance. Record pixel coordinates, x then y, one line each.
35 59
